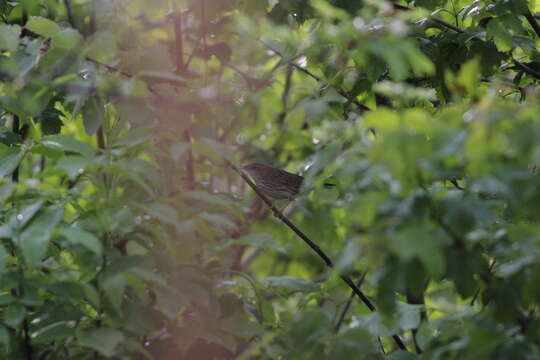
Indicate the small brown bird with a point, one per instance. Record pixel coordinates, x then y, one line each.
276 183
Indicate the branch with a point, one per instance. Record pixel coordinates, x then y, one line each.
15 129
433 18
313 247
454 182
434 212
349 302
190 172
29 351
475 296
22 131
179 42
285 95
522 66
108 67
532 20
526 69
341 92
69 11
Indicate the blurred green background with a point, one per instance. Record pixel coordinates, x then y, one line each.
125 234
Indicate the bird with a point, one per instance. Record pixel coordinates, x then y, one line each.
276 183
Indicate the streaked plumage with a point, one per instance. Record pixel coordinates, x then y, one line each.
273 182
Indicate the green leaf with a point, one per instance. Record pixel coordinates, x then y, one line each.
42 26
114 287
406 318
14 314
84 238
259 240
8 137
469 76
403 355
53 332
50 121
9 37
66 39
3 258
208 200
170 301
10 159
417 241
67 143
503 39
104 340
73 165
134 137
6 190
349 255
308 328
35 238
217 221
162 212
239 324
290 284
6 299
102 46
4 335
351 342
320 161
27 214
93 115
135 346
19 220
213 150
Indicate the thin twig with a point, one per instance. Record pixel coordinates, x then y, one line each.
278 214
22 131
341 92
108 67
190 172
432 18
446 24
475 296
436 216
534 24
285 95
15 129
454 182
522 66
69 11
526 69
178 41
349 302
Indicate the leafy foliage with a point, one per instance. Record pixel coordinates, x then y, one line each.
126 233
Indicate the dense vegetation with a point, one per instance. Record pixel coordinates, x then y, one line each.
128 233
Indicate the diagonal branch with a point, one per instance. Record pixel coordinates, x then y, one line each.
278 214
526 69
69 11
522 66
349 302
341 92
108 67
532 21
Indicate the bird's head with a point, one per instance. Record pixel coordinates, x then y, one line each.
256 169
